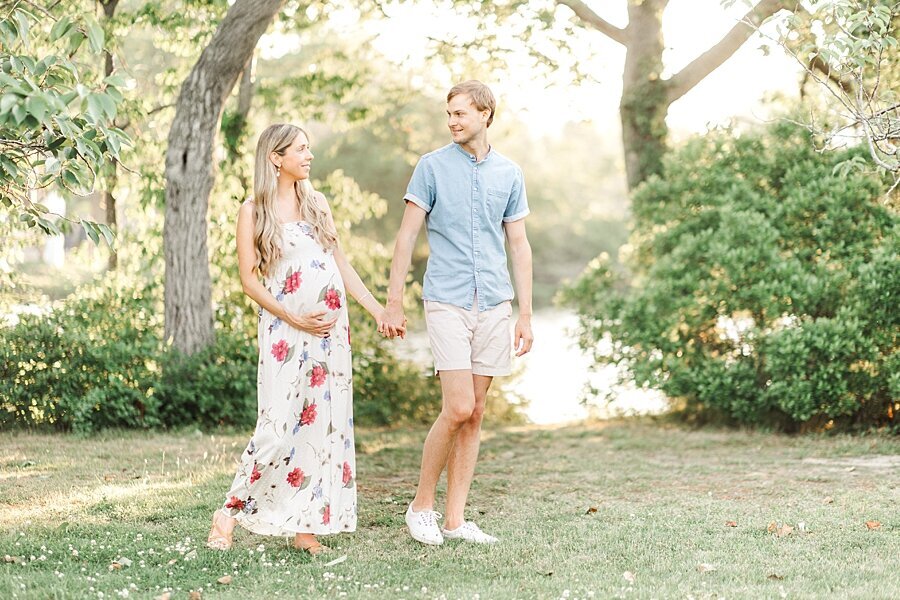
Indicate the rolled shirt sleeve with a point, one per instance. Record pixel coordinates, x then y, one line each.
420 190
517 206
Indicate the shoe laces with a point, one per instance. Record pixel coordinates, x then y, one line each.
428 517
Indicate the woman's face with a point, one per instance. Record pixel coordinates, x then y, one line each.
295 162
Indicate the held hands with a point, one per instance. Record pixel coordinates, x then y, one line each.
312 322
392 322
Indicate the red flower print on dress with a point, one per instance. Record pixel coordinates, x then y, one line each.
292 283
308 416
333 299
235 503
296 477
280 350
317 376
326 515
255 474
348 474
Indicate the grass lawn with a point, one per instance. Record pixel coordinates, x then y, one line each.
627 509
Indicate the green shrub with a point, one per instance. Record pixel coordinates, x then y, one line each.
92 363
97 360
764 286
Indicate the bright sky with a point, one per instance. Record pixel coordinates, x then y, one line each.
689 27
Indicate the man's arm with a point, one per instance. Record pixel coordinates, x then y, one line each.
394 319
520 252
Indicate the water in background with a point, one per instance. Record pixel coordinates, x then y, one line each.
552 378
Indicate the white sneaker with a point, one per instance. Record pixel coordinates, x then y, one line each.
423 526
469 532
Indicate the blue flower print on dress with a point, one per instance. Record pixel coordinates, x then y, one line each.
274 324
350 422
317 491
347 443
317 264
326 343
279 296
327 396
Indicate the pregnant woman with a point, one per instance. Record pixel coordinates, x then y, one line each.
297 476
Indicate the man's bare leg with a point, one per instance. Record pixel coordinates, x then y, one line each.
464 455
458 406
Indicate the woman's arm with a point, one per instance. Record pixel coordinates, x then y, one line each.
253 287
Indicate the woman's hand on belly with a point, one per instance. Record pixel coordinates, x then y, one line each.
311 322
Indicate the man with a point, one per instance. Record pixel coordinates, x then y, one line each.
469 196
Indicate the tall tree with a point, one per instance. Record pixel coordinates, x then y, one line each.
189 170
646 96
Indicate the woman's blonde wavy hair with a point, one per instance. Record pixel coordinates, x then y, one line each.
267 232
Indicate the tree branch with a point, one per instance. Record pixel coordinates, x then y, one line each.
683 81
583 12
825 69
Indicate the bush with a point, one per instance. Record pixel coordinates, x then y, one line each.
98 361
764 286
92 363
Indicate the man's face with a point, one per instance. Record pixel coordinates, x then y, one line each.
464 120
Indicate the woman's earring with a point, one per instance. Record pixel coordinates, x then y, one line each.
277 170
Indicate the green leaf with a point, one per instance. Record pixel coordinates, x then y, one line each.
91 231
60 28
7 102
116 81
95 35
108 106
22 20
75 40
36 105
108 235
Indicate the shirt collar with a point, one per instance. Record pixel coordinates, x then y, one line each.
472 156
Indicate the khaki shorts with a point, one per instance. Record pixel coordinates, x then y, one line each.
470 340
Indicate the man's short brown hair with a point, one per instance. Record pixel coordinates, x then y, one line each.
481 96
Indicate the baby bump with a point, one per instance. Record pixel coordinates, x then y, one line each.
314 289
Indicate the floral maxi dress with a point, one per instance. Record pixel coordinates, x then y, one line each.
297 474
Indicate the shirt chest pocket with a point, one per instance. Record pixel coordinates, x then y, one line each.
497 199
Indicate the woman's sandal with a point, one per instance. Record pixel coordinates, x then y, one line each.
314 547
218 539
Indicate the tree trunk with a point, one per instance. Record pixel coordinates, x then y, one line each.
644 100
111 178
189 170
645 97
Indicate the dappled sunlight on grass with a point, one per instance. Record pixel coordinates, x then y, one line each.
630 508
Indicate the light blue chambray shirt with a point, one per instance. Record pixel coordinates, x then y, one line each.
467 203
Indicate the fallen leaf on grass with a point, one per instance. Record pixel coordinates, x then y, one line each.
125 562
873 524
779 530
546 573
828 500
336 561
225 580
730 523
705 568
172 562
115 566
10 559
190 555
629 576
775 576
591 510
164 596
784 530
195 596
